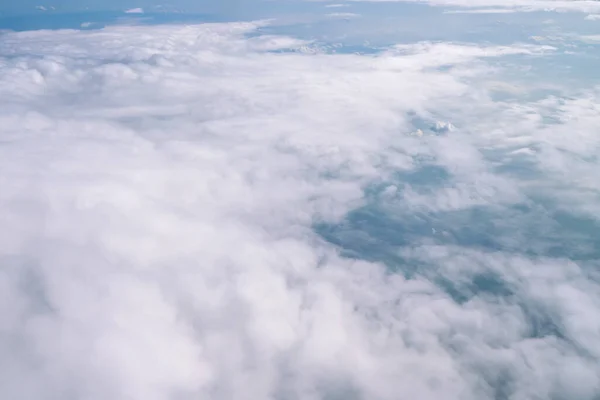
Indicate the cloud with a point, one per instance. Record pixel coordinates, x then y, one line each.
587 6
590 38
482 11
164 188
343 15
134 11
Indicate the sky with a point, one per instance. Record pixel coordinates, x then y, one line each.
300 200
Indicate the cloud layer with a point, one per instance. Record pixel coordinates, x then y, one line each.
182 211
496 6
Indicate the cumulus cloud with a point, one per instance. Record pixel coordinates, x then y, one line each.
178 201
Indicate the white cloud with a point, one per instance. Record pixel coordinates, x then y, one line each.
590 38
161 185
482 11
587 6
343 15
593 17
135 11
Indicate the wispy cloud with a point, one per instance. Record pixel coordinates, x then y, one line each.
343 15
587 6
482 11
134 11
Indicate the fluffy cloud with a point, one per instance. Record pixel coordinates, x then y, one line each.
178 202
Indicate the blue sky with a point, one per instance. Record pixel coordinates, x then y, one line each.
78 5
